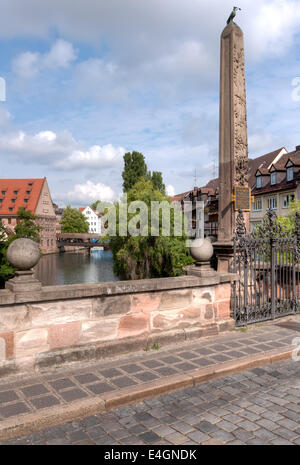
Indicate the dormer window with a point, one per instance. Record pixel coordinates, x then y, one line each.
273 179
289 173
258 182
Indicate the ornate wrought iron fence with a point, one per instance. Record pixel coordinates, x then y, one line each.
269 271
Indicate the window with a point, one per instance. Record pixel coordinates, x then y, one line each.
258 182
257 206
287 199
290 173
272 203
3 192
13 200
28 192
273 179
16 192
25 200
11 209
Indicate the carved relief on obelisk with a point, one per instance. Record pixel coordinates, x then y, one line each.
240 145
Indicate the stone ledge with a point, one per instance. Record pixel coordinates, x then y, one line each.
74 291
102 350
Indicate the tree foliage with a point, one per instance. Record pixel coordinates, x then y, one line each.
6 270
288 222
157 181
134 168
26 227
148 256
73 221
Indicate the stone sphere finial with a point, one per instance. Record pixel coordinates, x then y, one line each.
201 250
23 254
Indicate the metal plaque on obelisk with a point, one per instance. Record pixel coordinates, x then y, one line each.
233 146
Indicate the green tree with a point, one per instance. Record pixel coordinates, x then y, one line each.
157 182
6 270
288 222
134 168
26 226
73 221
149 256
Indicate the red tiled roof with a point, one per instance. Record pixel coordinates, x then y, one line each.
95 211
16 191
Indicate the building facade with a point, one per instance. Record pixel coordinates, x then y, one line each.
32 195
274 179
93 218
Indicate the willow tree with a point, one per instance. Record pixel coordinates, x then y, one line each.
155 251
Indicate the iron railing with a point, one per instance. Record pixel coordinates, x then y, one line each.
267 263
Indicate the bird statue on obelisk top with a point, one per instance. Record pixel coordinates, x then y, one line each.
233 144
232 14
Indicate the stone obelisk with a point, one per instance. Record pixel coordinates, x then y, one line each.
233 146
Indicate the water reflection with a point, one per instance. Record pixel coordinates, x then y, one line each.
76 268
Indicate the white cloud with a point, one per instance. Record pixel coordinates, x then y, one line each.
170 190
87 193
42 147
60 151
96 156
61 55
28 64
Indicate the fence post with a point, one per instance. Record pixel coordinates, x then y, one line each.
273 277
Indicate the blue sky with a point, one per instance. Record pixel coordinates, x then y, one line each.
88 80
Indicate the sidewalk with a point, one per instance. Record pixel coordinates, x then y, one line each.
46 399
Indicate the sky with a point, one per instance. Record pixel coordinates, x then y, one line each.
88 80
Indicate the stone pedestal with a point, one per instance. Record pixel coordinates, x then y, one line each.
233 146
24 283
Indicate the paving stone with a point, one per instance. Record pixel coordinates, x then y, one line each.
166 371
153 363
183 427
206 426
146 376
248 425
111 373
289 424
198 436
243 435
12 410
86 378
227 426
8 396
123 381
34 390
170 359
150 437
62 383
285 433
222 435
131 368
220 358
76 436
73 394
185 366
44 402
100 388
176 438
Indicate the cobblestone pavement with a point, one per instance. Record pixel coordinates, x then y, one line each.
255 407
24 395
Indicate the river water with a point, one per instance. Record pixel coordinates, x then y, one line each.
76 268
